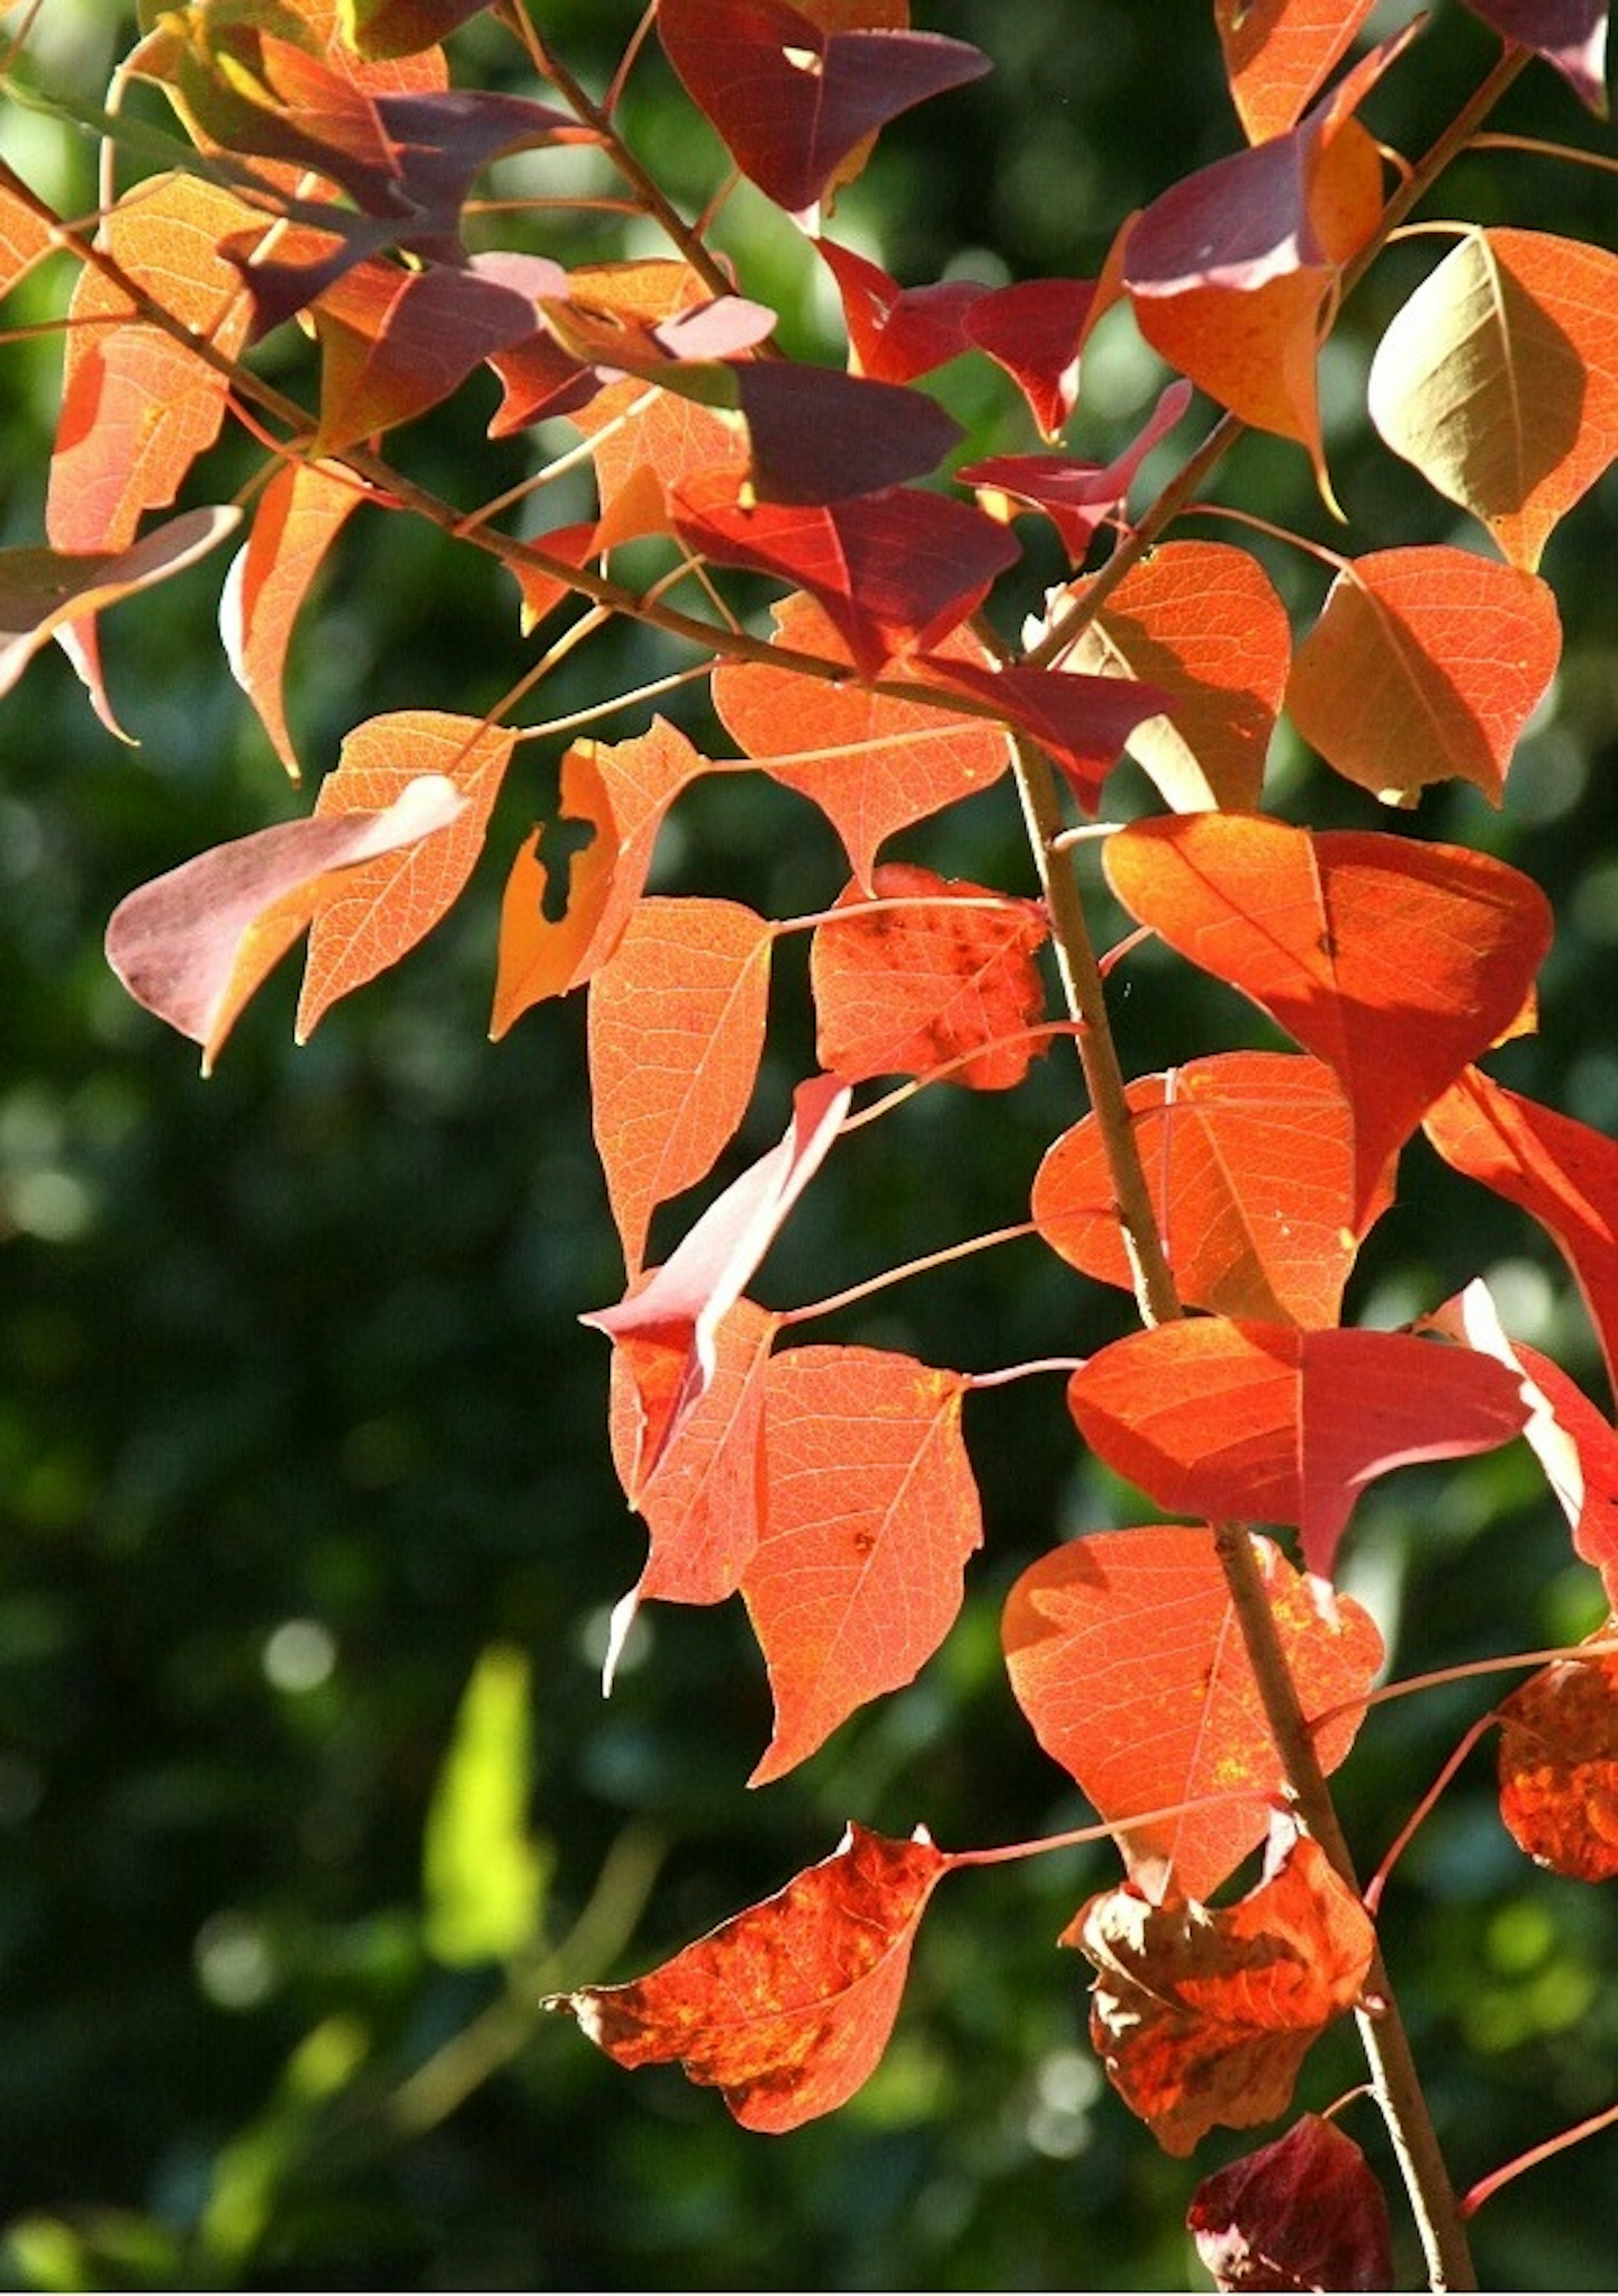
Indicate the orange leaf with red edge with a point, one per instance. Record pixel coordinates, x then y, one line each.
1278 53
676 1032
948 979
1203 2015
1558 1767
1249 1157
619 791
703 1501
1202 622
873 763
1425 665
667 1326
379 913
1498 381
191 945
300 515
786 2008
1395 962
871 1512
1124 1654
1234 270
1266 1424
1303 2212
1561 1171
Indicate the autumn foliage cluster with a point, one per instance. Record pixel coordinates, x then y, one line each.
857 602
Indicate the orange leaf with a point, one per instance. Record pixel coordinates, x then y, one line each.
1425 665
785 2009
677 1028
1559 1766
620 791
1124 1654
871 1513
1203 2014
1279 53
872 765
906 990
193 945
378 912
647 444
703 1501
1393 962
138 407
1250 1160
1556 1168
1498 381
1201 620
25 235
1269 1424
1303 2212
300 515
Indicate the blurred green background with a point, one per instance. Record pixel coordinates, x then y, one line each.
307 1789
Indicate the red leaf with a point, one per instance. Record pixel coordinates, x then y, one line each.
1425 665
1201 621
873 765
193 946
301 513
906 990
1279 53
670 1323
702 1503
1267 1424
1077 498
1034 329
786 2008
793 101
1203 2014
1571 34
1232 270
871 1513
379 911
1124 1654
1559 1766
894 572
1250 1160
1083 722
397 342
620 791
1302 2213
1556 1168
1393 962
677 1027
896 332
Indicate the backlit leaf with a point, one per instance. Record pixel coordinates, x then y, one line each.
481 1876
1125 1656
667 1326
1557 1169
1395 962
1571 34
1279 53
870 1516
27 236
402 28
1034 329
619 791
380 911
1083 722
1498 381
785 2009
1202 622
299 514
677 1027
397 342
873 765
1303 2212
1266 1424
191 945
901 991
793 101
1077 498
1249 1157
1203 2014
1425 665
896 332
1558 1767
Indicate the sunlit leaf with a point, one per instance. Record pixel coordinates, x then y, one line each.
299 516
1559 1766
1278 53
1303 2212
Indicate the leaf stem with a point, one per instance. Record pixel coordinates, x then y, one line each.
1487 2186
900 1274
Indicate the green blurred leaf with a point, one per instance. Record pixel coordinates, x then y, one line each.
251 2169
482 1874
